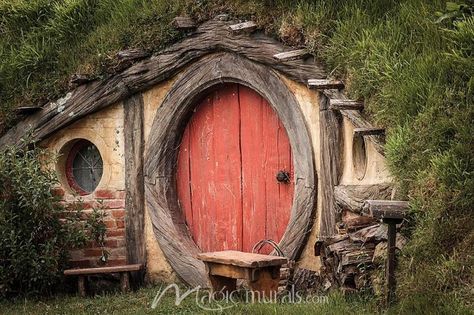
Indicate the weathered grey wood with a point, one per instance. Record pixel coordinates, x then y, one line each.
386 209
132 54
338 104
183 23
242 259
163 145
324 84
331 165
81 285
352 197
102 270
245 27
369 131
134 182
291 55
358 120
210 37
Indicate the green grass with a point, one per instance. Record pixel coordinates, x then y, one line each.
140 302
416 76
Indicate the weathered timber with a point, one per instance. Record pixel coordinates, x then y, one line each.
102 270
352 197
245 27
134 182
358 120
27 110
291 55
331 165
386 209
241 259
183 23
324 84
357 257
132 54
369 131
163 146
78 79
358 222
338 104
211 37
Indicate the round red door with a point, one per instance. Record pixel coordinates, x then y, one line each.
231 152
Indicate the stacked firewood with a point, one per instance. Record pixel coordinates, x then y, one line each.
350 258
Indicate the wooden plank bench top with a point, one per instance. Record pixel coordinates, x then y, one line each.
102 270
241 259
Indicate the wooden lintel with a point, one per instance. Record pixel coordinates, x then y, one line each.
385 209
183 23
352 197
27 110
245 27
325 84
341 104
291 55
369 131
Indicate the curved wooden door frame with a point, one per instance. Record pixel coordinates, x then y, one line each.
163 146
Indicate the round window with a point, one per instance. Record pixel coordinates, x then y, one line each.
84 167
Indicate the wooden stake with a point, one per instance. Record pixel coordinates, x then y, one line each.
369 131
340 104
291 55
245 27
325 84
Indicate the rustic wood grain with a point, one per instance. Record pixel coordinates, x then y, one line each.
245 27
352 197
369 131
291 55
101 270
162 150
134 181
241 259
183 23
358 120
338 104
385 209
324 84
210 37
331 165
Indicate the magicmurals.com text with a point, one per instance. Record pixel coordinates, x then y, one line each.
220 300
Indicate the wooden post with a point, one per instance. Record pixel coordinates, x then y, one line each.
391 259
124 282
134 184
81 286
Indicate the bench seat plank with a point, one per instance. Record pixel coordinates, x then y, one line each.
240 259
101 270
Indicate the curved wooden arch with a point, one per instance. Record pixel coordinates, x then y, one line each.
163 146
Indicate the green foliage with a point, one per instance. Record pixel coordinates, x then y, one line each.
36 230
411 60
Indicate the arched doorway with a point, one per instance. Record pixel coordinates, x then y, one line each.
232 151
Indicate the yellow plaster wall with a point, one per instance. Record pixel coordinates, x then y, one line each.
105 130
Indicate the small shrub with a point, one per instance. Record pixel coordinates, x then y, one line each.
36 229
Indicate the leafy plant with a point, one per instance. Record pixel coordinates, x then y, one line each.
36 229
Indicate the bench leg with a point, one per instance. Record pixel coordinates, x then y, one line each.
124 282
224 284
81 285
266 282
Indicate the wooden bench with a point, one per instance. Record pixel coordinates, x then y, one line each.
262 272
82 273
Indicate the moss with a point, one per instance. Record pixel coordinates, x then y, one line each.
416 76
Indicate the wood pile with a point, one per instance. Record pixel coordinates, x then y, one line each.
350 258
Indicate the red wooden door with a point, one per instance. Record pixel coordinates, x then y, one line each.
231 151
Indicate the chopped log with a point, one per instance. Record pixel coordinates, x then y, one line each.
27 110
340 104
369 131
132 54
183 23
363 256
323 84
386 209
374 233
245 27
291 55
358 222
352 197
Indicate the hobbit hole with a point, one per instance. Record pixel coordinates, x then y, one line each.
238 112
